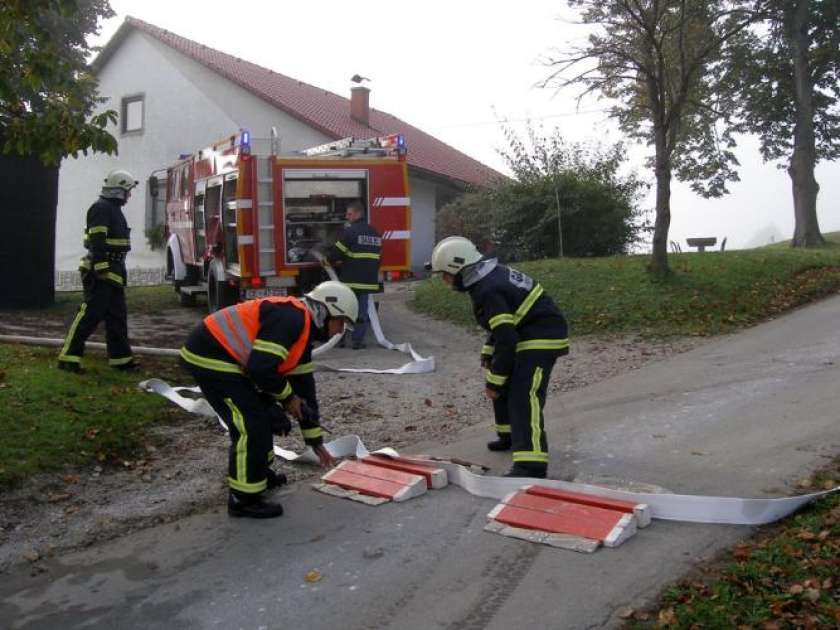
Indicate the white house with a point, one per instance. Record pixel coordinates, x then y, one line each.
175 96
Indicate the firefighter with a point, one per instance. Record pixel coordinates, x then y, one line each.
253 362
356 254
104 278
527 333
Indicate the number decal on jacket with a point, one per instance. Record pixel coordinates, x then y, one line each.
521 280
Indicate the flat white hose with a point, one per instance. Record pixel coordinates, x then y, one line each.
672 507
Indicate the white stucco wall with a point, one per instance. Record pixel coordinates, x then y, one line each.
423 196
186 106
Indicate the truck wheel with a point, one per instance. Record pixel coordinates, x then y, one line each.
186 299
219 293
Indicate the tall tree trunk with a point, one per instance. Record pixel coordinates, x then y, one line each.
28 199
659 261
804 158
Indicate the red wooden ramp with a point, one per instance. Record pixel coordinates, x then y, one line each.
435 477
379 479
566 519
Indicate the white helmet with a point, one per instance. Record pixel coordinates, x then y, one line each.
118 183
338 298
453 254
120 178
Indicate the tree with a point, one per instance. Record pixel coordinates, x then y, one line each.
790 70
47 102
581 184
663 64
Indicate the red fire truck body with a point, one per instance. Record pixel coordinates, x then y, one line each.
243 225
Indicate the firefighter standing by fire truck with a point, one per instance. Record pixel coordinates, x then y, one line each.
527 335
107 239
253 363
356 254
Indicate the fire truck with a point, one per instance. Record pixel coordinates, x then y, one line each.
241 223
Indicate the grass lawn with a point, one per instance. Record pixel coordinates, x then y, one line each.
707 294
788 576
52 417
147 300
832 239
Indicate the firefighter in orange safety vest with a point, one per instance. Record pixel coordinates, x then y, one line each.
253 363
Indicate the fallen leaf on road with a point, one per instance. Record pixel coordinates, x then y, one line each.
31 555
666 617
742 552
313 576
625 613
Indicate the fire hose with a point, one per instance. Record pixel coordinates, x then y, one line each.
673 507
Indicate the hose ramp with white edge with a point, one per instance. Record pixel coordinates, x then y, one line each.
672 507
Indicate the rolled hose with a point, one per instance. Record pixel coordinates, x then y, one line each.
44 341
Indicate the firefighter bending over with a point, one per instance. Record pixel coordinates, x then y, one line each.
104 278
356 254
527 333
253 362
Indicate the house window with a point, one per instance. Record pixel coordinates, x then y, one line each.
132 114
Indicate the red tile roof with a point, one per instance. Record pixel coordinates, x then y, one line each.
327 112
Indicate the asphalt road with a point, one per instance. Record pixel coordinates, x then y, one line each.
746 415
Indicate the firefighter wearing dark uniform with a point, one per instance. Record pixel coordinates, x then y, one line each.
107 239
356 254
527 333
253 363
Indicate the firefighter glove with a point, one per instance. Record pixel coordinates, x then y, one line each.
309 413
280 424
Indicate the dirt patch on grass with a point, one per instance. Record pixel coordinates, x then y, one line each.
182 468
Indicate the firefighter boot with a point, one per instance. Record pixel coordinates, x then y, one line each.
131 365
252 505
71 367
532 471
276 479
501 443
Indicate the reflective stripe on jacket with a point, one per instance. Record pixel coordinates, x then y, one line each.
358 250
236 327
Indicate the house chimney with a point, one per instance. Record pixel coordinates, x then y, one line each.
360 104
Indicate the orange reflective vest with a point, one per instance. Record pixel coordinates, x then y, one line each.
236 328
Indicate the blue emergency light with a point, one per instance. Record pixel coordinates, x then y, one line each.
245 141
